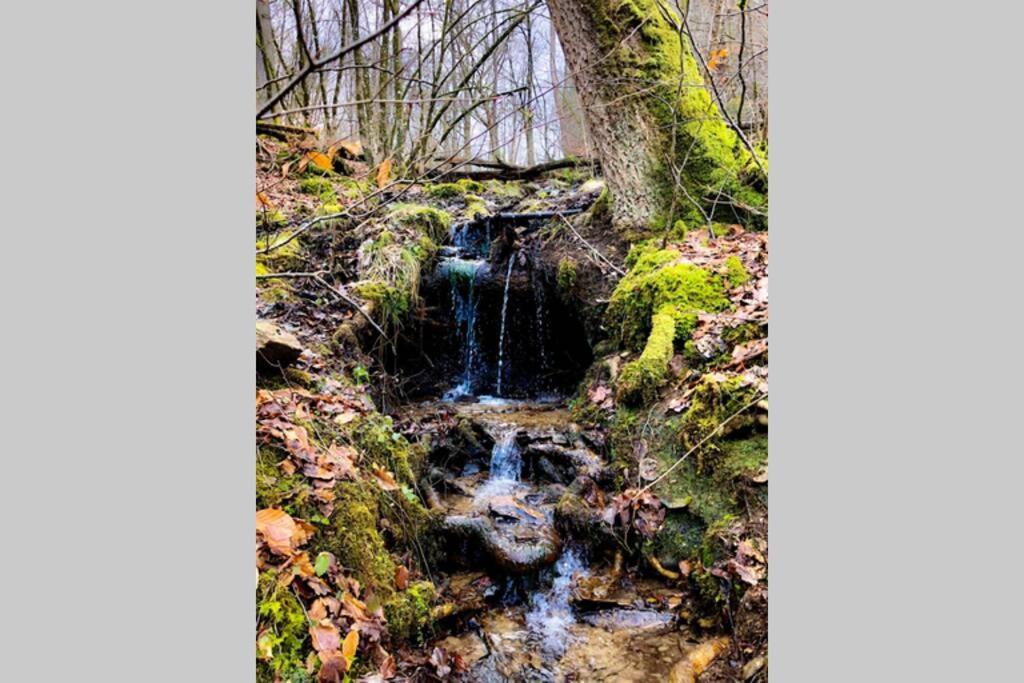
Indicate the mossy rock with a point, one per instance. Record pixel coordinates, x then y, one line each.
659 280
319 186
427 220
459 188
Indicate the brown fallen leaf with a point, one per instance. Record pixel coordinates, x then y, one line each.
401 577
388 669
384 172
278 530
333 667
325 636
385 479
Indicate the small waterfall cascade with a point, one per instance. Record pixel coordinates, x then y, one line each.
504 313
551 613
506 461
504 471
483 338
462 276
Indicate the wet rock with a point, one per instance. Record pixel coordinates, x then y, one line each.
517 549
275 347
575 519
510 508
561 464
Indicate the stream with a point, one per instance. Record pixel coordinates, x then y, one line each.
535 605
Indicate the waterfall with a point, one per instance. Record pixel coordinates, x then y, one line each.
504 309
462 275
505 468
506 461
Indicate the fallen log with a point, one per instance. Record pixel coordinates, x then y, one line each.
499 171
282 131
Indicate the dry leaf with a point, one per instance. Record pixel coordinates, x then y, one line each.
384 172
353 147
385 479
319 160
333 668
325 636
345 417
351 644
401 577
278 530
388 668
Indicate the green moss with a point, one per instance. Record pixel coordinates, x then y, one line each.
434 223
408 612
506 190
457 189
269 220
287 257
601 209
274 488
567 276
319 186
744 457
640 379
660 281
353 189
390 268
352 535
475 207
381 445
282 630
736 274
715 400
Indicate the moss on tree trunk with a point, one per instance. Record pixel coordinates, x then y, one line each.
665 149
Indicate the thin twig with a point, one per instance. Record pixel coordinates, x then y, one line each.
592 248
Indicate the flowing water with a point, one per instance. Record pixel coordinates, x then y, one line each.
462 276
533 629
504 313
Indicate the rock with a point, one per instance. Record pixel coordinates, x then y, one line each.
275 348
561 464
519 552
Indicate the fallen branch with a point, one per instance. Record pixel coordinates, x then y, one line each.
341 294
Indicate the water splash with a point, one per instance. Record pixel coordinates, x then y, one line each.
504 309
550 614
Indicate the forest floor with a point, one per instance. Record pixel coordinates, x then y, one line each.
629 543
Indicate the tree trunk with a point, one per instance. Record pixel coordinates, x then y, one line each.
665 150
